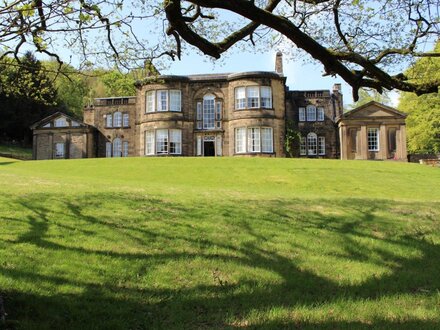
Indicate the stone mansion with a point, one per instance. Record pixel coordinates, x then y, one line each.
237 114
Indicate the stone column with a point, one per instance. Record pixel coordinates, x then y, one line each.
34 146
383 142
343 141
51 145
364 143
402 145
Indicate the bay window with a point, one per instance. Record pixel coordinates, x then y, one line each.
163 141
253 97
253 139
163 100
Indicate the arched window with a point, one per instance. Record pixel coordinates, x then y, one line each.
311 113
117 119
117 147
312 144
208 111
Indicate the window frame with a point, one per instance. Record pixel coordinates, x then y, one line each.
151 139
320 114
163 100
245 100
321 145
250 140
371 140
62 120
311 136
125 119
302 114
63 154
311 113
117 119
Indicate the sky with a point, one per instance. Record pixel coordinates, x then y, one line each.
300 76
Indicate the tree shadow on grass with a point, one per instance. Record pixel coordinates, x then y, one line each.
250 263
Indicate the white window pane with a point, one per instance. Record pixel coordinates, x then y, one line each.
266 97
266 139
240 98
218 140
109 120
199 146
302 114
61 122
175 100
320 114
312 144
162 141
162 100
175 141
126 120
321 145
311 113
373 139
254 139
150 101
208 113
117 147
125 149
117 119
149 142
253 96
303 148
59 150
240 140
108 149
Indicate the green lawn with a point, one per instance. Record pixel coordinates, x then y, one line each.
185 243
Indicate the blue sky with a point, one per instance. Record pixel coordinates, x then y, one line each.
300 76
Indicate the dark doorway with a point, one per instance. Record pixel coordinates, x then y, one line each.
208 149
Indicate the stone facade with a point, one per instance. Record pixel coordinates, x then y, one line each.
373 131
240 114
60 136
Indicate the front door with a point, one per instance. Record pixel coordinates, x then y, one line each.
208 149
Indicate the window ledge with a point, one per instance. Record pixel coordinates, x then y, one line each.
253 153
255 109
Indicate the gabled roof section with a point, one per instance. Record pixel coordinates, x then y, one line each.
56 115
373 109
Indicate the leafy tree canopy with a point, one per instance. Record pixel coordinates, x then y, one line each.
27 94
368 95
423 121
368 43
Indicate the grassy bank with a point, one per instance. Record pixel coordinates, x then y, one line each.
15 152
219 243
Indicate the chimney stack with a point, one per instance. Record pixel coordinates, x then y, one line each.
279 63
337 88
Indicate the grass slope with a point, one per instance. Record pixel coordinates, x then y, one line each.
176 243
15 152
